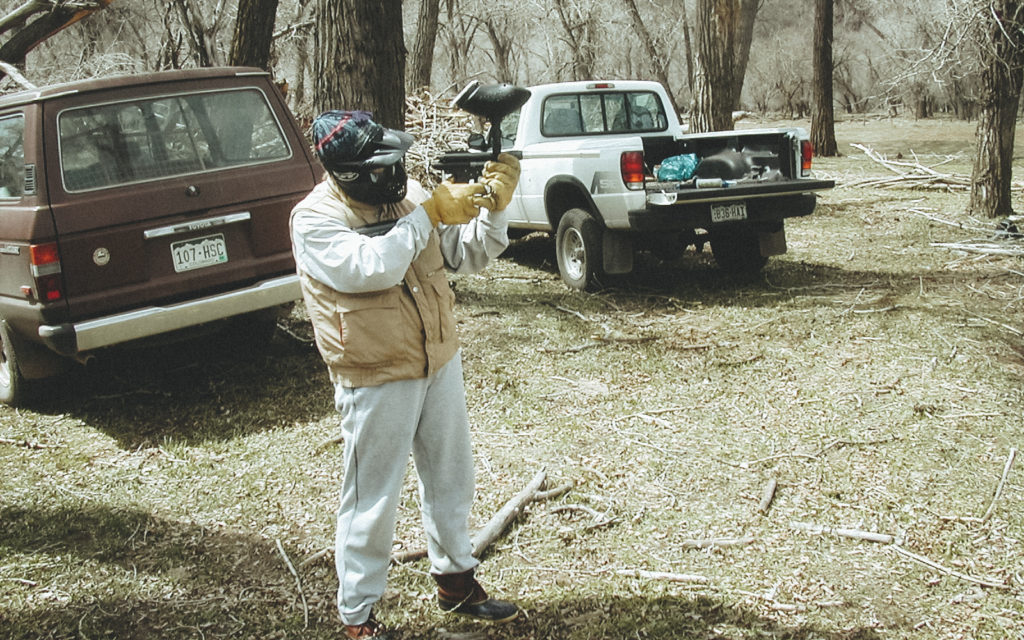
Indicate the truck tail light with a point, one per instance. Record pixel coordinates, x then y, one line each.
632 166
806 154
45 264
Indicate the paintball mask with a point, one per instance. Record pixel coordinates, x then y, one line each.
363 158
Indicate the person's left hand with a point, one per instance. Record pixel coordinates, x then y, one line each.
501 177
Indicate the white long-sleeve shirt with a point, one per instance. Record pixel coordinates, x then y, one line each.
350 262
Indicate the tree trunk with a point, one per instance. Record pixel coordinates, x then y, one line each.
254 33
423 48
192 19
823 120
687 46
502 43
1002 79
714 78
659 62
360 58
744 38
53 18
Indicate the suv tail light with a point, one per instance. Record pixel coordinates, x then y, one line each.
806 153
632 166
45 264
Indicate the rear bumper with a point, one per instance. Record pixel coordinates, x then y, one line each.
79 337
685 216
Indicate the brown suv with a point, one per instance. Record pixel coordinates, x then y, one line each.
139 205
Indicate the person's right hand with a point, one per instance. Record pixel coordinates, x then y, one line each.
455 203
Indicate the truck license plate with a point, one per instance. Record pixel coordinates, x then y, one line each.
199 252
729 212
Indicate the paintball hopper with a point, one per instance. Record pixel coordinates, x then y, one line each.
491 102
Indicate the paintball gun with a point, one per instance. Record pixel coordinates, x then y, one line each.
491 102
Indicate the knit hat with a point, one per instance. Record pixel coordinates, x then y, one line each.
348 139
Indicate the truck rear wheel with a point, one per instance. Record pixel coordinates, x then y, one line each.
578 248
738 251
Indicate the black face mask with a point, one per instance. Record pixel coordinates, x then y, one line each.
368 187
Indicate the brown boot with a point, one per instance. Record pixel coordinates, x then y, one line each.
369 630
461 593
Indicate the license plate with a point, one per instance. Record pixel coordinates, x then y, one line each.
728 212
198 253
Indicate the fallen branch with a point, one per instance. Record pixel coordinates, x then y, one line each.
987 248
14 74
767 496
557 492
498 522
316 556
856 534
600 519
710 543
28 444
949 572
1013 330
912 174
661 575
298 584
1002 483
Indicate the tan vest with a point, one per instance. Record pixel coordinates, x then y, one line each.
400 333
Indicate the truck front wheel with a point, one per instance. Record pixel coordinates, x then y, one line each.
738 251
578 247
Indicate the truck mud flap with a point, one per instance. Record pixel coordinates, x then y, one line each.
617 252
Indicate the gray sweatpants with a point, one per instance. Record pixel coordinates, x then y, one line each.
381 425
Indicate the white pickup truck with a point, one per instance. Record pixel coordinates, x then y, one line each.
594 158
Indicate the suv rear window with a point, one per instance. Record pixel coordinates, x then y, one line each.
133 141
606 112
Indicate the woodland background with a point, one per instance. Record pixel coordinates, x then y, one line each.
964 57
889 55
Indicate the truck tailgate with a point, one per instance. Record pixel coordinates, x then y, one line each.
669 193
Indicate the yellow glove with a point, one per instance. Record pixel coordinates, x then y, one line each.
501 177
454 203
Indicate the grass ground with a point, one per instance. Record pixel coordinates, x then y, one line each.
874 377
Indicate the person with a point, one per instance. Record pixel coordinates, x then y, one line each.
382 314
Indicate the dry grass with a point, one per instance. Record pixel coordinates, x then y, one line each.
875 377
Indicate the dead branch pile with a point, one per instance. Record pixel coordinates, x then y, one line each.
1003 239
437 127
913 175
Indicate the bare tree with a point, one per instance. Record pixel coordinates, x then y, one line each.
502 36
459 33
714 83
1002 79
744 40
423 47
823 122
254 32
360 58
580 24
200 32
659 62
35 21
